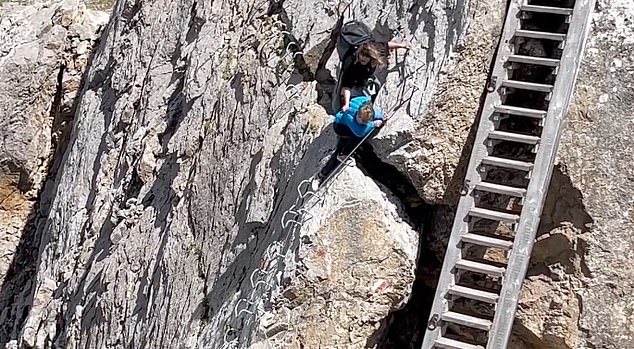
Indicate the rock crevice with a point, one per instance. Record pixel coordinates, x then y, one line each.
42 75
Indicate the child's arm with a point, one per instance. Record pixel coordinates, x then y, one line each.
379 119
345 92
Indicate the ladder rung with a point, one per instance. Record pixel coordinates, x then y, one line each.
531 113
466 320
466 292
540 35
494 215
513 137
507 163
481 268
523 85
447 343
547 9
487 241
501 189
550 62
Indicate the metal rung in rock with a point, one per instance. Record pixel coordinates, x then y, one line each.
513 137
547 9
549 62
447 343
466 292
519 111
482 240
466 320
540 35
494 215
481 268
501 189
523 85
507 163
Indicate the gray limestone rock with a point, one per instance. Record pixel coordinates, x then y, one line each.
44 48
180 213
195 126
358 258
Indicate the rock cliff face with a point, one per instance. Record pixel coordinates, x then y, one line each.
178 211
174 217
44 50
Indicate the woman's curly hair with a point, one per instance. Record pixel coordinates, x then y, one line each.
373 54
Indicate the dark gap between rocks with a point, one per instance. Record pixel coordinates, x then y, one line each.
405 328
17 291
326 82
17 287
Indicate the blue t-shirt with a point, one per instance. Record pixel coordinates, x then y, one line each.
349 119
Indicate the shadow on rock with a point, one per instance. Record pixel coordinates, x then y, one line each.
245 275
18 287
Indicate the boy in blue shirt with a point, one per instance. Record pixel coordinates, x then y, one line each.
351 127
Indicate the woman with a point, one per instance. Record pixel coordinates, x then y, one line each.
368 57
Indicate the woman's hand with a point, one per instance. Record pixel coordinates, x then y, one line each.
394 45
378 123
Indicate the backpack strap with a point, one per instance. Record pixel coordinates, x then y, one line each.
372 88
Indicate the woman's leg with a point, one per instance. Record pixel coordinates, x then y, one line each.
349 139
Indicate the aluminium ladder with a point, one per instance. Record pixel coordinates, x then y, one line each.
505 90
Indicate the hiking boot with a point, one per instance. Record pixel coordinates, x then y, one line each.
317 181
349 162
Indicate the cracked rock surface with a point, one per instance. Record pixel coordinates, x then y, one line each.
44 50
352 273
161 199
174 216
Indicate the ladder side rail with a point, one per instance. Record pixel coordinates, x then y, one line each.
538 186
479 151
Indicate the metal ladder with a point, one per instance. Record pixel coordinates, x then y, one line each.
498 159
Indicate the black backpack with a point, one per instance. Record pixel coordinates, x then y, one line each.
353 34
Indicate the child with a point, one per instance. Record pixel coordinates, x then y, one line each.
351 126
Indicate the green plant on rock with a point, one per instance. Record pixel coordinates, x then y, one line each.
280 48
285 66
206 125
227 70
